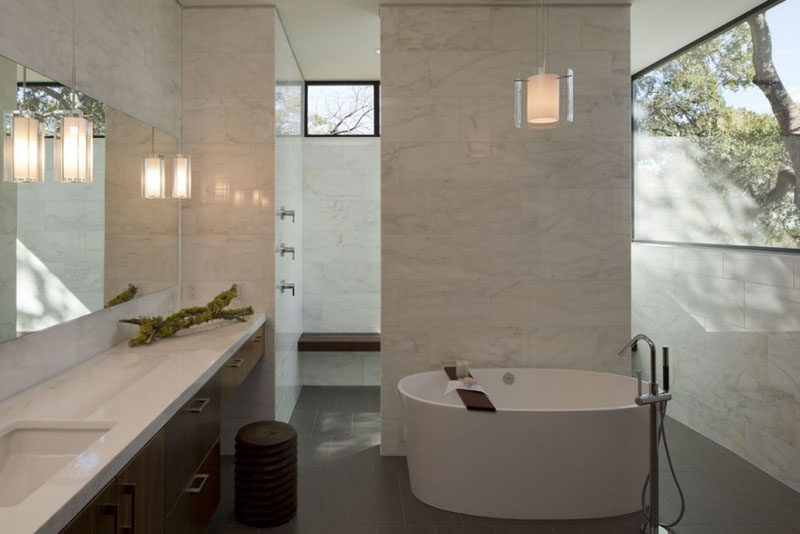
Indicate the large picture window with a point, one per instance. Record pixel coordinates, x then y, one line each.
716 137
342 109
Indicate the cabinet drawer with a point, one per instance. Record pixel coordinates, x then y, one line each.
189 436
198 499
240 364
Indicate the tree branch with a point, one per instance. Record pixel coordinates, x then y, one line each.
785 109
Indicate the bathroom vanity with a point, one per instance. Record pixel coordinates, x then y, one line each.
144 426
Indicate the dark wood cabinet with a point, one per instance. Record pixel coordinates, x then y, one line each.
172 485
240 364
133 502
140 486
190 434
199 500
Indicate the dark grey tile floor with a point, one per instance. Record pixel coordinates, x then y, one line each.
346 487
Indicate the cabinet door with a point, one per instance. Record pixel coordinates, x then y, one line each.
190 434
101 516
141 490
199 500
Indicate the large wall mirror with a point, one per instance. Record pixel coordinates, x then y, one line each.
68 249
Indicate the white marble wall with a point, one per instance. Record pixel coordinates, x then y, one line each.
141 235
341 235
341 368
732 321
502 247
341 267
8 217
288 193
229 223
127 54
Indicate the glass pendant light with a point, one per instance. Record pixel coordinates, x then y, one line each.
73 145
23 143
538 98
182 176
153 182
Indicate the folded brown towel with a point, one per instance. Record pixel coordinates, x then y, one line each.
473 400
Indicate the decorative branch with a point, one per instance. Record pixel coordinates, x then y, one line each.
155 328
127 294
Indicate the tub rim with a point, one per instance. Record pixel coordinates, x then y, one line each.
631 406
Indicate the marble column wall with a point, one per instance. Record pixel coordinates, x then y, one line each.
506 248
229 223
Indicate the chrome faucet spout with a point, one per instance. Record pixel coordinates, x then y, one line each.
653 373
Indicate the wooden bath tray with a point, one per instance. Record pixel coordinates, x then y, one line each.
473 400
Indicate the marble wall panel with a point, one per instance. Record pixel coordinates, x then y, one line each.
735 345
127 54
341 234
229 230
507 248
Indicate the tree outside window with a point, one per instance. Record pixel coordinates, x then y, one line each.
717 138
335 109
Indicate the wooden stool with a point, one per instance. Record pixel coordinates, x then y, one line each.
265 474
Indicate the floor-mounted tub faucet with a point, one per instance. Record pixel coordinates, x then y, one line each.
654 398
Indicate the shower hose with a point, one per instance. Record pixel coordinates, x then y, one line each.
662 438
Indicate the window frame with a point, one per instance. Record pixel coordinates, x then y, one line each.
657 64
376 84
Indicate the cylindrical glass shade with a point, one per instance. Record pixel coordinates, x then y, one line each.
543 98
153 176
520 92
182 176
23 147
74 149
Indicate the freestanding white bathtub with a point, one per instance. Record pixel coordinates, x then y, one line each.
562 445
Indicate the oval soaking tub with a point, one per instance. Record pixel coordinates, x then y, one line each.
563 444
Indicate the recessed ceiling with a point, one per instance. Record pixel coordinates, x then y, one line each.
337 39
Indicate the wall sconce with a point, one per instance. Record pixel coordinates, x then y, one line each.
23 143
182 176
74 148
153 176
23 147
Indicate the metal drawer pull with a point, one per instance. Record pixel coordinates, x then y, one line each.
198 404
235 363
202 477
130 490
258 339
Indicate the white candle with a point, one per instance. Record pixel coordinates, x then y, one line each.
462 369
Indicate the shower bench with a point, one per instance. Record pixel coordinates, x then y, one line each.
339 342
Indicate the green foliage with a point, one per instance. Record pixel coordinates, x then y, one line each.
127 294
155 328
739 148
47 100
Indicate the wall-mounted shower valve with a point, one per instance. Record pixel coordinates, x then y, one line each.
284 287
283 213
284 250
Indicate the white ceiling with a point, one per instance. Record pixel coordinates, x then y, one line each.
336 39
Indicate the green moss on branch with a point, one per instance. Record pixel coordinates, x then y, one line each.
127 294
155 328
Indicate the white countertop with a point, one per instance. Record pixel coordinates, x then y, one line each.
137 389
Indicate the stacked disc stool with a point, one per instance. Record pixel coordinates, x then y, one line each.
265 474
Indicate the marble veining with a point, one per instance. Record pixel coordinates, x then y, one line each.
507 248
729 318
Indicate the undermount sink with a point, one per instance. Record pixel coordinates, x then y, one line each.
32 452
